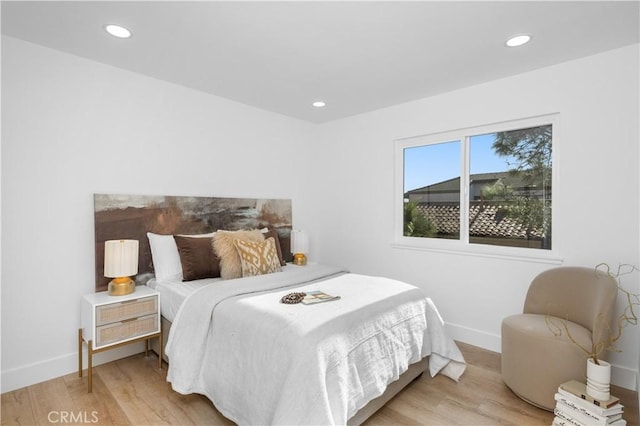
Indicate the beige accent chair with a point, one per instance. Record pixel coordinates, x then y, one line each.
535 360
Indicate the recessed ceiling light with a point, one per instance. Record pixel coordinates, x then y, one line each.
319 104
117 31
518 40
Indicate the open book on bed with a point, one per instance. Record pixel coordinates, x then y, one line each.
318 296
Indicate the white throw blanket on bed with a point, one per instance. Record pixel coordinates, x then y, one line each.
264 362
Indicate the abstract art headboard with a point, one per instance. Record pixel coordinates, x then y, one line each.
132 216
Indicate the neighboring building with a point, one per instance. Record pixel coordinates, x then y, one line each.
448 191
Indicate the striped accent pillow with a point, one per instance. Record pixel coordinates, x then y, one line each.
258 258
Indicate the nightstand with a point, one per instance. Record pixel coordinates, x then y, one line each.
108 322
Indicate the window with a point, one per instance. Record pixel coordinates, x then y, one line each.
484 190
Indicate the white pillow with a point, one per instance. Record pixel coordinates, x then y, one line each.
166 259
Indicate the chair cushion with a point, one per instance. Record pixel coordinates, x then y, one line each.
535 360
549 328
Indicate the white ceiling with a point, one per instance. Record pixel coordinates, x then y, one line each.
356 56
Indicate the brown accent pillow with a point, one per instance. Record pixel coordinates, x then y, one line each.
273 233
197 257
230 265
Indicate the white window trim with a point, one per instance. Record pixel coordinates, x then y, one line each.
462 246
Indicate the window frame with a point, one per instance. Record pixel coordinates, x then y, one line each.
462 245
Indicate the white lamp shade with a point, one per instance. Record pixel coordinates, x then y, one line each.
120 258
299 242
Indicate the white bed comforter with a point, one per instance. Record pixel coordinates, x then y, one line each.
263 362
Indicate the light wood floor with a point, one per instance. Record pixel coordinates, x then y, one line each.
132 391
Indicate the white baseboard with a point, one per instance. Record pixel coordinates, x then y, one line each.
474 337
31 374
620 376
624 377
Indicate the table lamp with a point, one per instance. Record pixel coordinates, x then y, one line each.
299 246
120 263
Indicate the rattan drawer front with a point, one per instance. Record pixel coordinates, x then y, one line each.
124 330
115 312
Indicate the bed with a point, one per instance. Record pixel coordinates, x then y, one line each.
261 361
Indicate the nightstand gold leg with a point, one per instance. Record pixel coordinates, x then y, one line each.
79 352
160 350
90 365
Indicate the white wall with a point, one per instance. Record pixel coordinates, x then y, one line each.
596 200
71 128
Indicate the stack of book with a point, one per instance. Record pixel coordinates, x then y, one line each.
574 407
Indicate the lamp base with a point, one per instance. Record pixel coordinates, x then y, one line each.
121 286
299 259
